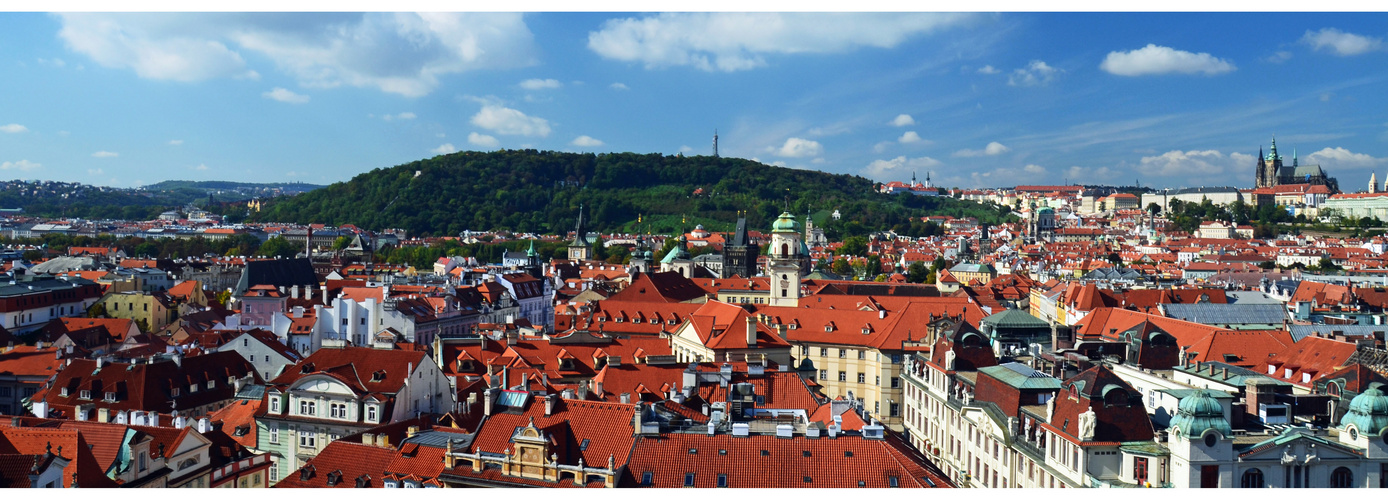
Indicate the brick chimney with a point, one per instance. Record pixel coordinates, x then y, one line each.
751 332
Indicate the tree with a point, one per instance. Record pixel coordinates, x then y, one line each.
341 242
1115 259
841 267
1267 265
917 272
278 247
97 310
853 245
1154 209
599 249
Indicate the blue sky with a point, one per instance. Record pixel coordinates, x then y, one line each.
976 99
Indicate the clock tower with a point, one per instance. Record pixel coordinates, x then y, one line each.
787 254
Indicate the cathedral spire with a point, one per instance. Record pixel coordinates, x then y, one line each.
1272 155
1294 163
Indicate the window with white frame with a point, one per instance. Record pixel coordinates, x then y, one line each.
275 404
307 439
371 413
308 408
274 433
337 410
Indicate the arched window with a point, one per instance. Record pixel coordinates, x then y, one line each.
785 249
1342 478
1333 389
1252 478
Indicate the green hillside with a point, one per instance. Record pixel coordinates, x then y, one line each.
540 191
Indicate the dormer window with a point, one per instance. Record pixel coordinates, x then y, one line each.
274 404
175 392
371 413
85 394
791 326
211 383
378 376
110 396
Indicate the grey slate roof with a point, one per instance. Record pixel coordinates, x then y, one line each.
277 272
1228 314
1015 318
1302 331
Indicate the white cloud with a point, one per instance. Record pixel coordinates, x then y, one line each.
55 62
740 41
1157 60
105 154
202 166
1341 158
686 149
881 146
282 94
619 86
992 149
483 140
898 168
796 147
400 53
507 121
19 165
584 141
13 128
538 84
910 137
1206 164
1035 73
1278 57
399 116
903 120
988 70
1341 43
95 171
176 142
444 149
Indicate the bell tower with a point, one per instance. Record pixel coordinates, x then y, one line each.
784 268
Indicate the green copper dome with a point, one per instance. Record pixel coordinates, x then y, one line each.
786 222
1368 412
1199 412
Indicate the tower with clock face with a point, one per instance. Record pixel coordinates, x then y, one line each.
787 253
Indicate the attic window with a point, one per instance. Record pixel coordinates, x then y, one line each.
862 484
722 452
689 479
765 453
583 446
893 481
807 479
110 396
619 319
791 326
654 321
378 376
646 478
722 480
85 394
693 451
806 454
848 453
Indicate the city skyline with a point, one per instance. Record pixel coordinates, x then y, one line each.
974 100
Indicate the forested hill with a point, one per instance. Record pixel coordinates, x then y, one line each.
540 191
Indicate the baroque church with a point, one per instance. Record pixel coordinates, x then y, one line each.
1271 172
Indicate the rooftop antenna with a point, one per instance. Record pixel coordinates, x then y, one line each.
715 143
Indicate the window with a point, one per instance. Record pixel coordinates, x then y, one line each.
843 376
344 321
275 433
896 382
85 394
309 408
877 381
174 392
862 377
824 374
896 409
307 439
363 321
646 478
144 461
722 480
337 410
862 354
843 353
893 481
824 352
1342 478
689 479
765 453
1140 471
275 405
1252 478
807 479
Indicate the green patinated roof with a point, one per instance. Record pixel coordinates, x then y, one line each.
1021 376
786 222
1015 318
1368 412
1199 412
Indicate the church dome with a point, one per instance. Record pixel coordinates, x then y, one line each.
1368 412
786 222
1198 413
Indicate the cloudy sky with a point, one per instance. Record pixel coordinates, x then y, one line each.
975 99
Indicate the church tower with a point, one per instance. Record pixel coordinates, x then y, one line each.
786 256
1373 182
1261 171
580 248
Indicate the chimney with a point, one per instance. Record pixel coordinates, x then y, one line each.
751 332
549 404
411 431
626 398
487 397
781 331
881 314
103 415
204 425
294 292
1226 373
